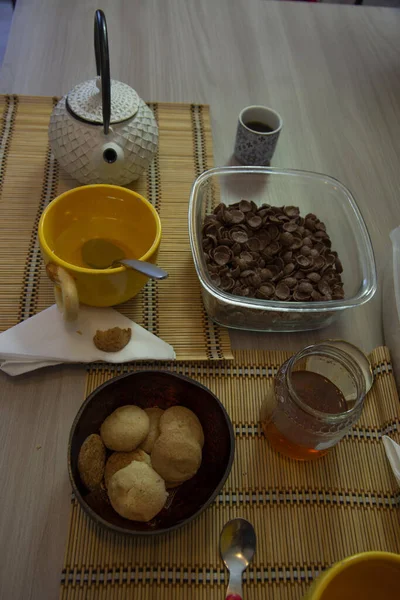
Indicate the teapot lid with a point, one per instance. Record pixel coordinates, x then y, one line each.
85 101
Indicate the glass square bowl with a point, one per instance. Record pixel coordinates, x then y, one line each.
314 193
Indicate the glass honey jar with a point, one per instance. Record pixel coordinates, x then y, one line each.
316 397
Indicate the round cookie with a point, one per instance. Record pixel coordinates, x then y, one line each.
91 460
154 415
137 492
120 460
125 428
184 420
175 456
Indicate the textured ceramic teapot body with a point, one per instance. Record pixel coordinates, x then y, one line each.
101 131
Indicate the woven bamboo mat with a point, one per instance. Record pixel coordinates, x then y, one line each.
30 179
306 515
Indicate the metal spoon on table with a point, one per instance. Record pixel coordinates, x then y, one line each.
103 254
237 545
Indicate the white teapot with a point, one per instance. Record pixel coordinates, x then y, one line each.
101 131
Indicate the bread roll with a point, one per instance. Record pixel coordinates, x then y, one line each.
120 460
125 428
91 460
182 419
154 415
175 456
137 492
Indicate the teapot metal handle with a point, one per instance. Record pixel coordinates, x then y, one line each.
103 65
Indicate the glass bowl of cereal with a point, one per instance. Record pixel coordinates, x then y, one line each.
278 249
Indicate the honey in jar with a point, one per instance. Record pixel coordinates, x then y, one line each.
316 397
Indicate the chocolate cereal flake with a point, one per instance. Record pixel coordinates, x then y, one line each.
271 252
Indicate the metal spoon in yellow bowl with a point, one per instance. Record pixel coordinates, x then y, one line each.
103 254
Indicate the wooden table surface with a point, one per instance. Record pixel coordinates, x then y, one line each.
332 71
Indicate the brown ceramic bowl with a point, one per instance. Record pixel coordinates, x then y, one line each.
162 389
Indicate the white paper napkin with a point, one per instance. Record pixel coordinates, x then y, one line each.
392 450
46 339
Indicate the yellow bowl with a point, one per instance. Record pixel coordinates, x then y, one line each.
100 211
369 575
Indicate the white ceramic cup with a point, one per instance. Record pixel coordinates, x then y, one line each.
254 146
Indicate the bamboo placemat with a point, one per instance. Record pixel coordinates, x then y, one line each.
306 515
30 179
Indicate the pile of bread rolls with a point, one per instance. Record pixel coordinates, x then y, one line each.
152 450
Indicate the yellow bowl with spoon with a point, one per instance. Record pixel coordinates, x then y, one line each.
111 213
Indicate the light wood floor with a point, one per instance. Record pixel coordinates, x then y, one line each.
6 12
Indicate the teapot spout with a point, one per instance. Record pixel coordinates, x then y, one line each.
112 153
109 159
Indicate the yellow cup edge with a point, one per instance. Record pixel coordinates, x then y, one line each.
340 566
77 269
